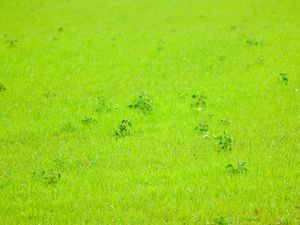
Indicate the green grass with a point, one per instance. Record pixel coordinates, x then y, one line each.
68 71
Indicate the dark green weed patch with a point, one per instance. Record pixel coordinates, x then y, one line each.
103 105
199 101
283 78
253 42
69 127
202 127
225 141
239 168
89 121
124 129
2 87
143 103
11 42
223 221
48 177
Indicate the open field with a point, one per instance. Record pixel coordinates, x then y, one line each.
150 112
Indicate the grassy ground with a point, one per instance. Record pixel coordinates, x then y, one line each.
68 71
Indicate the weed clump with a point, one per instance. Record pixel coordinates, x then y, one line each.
143 103
252 42
124 129
49 176
225 141
283 78
202 127
12 42
49 94
239 168
223 221
89 121
2 88
103 105
199 101
69 127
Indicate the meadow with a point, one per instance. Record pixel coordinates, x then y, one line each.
154 112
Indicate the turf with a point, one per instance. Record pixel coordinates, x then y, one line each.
69 70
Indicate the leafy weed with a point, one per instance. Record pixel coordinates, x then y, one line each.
283 78
69 127
49 94
124 129
89 121
49 177
223 221
225 141
252 42
202 127
239 168
199 101
2 87
143 103
103 105
12 42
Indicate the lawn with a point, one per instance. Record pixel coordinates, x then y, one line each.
134 112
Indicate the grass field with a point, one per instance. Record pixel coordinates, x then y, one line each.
150 112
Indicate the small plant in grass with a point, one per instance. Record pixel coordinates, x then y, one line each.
223 221
102 105
49 94
89 121
69 127
12 42
225 141
143 102
239 168
283 78
2 87
260 61
202 127
199 101
49 176
52 177
253 42
3 185
124 129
